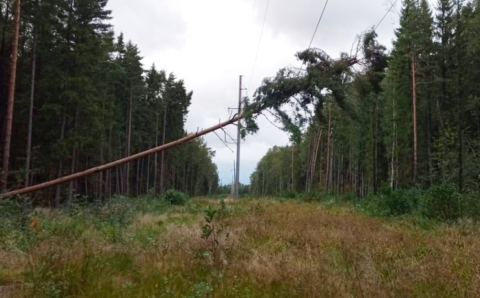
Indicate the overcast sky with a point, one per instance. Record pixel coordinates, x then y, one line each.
209 43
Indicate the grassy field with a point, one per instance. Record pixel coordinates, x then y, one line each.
251 248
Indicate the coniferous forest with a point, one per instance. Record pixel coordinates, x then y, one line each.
377 194
83 98
399 119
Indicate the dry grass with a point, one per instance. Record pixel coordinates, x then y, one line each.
269 249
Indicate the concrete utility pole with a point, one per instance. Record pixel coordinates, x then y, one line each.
237 173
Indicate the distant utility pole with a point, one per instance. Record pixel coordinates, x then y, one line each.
237 175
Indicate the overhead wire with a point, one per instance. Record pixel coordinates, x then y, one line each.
318 24
315 32
379 23
259 43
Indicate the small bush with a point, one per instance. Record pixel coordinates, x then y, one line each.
290 194
392 202
470 204
441 202
175 197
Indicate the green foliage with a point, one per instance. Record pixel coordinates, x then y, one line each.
290 194
175 197
94 101
391 202
442 202
213 229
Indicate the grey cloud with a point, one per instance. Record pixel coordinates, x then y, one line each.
342 21
156 24
206 44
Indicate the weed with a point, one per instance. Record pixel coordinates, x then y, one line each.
212 230
175 197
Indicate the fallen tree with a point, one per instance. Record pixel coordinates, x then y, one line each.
290 87
116 163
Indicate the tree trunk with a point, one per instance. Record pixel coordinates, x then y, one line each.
314 159
60 162
155 167
148 173
129 141
162 170
394 137
30 114
293 164
329 145
374 146
72 164
414 84
10 100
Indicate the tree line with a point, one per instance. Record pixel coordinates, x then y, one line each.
84 98
405 118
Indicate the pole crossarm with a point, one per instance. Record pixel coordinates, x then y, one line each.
113 164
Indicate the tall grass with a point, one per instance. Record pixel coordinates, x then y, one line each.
146 247
441 202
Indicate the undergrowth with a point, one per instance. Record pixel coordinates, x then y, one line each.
147 247
439 203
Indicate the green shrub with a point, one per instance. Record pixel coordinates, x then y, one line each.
290 194
441 202
175 197
470 205
391 202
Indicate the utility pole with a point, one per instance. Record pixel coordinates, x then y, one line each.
10 100
293 186
237 173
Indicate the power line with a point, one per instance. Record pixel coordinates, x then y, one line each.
318 24
259 44
393 5
314 33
